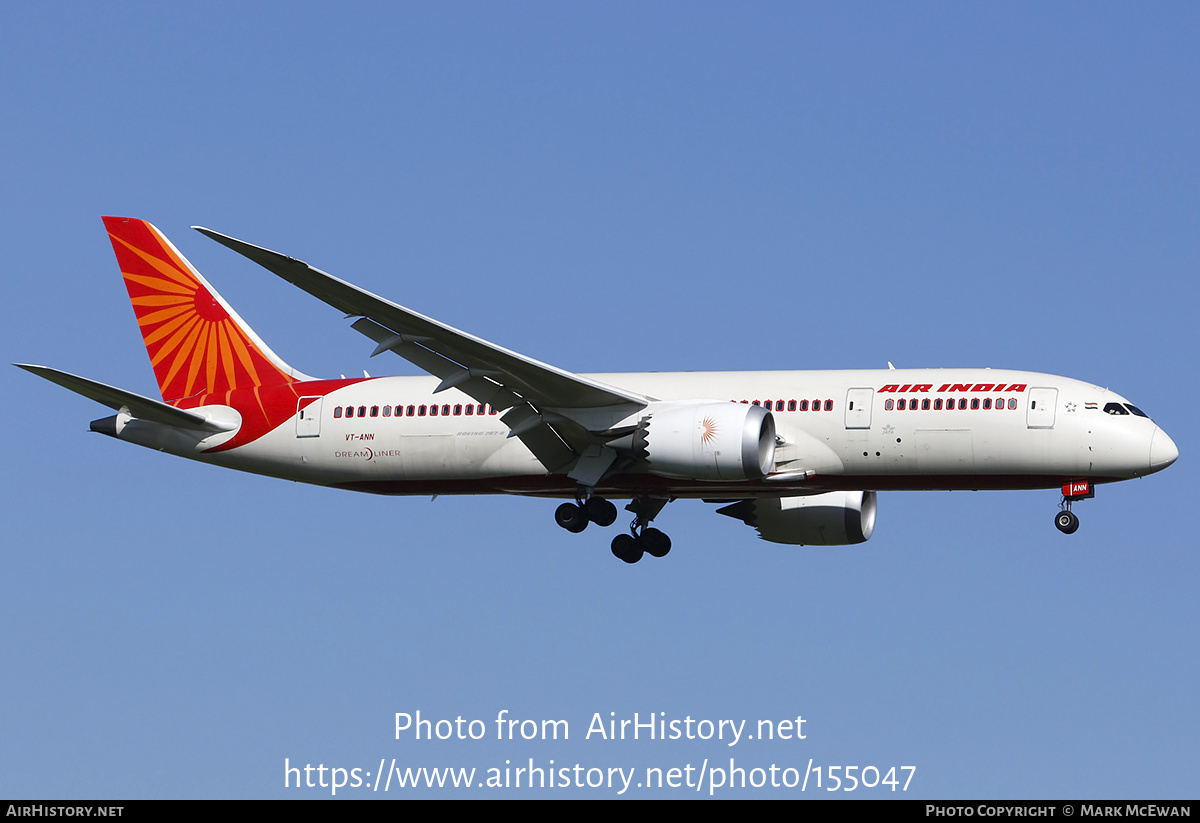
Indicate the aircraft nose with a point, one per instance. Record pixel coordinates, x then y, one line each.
1163 451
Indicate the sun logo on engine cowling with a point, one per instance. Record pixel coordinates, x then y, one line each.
710 430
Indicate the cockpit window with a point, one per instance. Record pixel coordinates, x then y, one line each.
1115 408
1137 411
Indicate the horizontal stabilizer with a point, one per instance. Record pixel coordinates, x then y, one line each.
138 406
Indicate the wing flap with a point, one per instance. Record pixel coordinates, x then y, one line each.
475 383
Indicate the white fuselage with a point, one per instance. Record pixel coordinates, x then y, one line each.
797 455
870 429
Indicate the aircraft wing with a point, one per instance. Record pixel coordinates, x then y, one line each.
140 407
536 394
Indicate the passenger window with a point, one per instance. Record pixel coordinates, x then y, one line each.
791 405
410 410
925 404
1012 402
974 402
387 411
337 411
374 411
828 405
887 404
937 404
987 403
421 411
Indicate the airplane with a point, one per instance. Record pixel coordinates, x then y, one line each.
798 455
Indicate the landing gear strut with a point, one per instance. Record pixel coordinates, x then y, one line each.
641 538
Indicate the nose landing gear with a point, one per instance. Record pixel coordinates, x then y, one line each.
1066 521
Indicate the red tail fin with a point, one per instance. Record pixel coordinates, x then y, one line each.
196 342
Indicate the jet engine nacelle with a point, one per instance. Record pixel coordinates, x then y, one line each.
708 440
830 519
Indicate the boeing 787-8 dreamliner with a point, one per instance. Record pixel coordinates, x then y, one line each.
797 455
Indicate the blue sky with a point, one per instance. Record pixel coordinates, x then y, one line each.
606 187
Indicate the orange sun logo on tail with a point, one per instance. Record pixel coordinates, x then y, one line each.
196 343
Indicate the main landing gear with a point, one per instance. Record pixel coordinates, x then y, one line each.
631 547
641 538
574 517
1066 521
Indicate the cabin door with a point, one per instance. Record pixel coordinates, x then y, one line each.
858 408
308 417
1040 414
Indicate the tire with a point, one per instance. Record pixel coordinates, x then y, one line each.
600 511
571 518
625 547
655 543
1066 522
